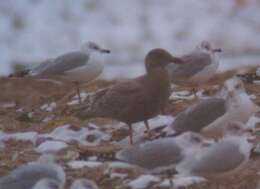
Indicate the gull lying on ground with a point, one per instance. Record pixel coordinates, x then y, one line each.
212 115
218 160
27 175
161 154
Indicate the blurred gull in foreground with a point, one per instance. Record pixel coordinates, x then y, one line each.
76 66
212 115
26 176
199 66
48 183
136 99
161 154
84 184
219 159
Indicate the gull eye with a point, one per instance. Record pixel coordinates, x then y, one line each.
94 47
205 45
238 86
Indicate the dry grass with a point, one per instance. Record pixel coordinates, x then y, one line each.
31 94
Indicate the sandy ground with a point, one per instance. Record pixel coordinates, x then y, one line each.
25 96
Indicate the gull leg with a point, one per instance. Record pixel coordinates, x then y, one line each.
170 177
147 125
130 134
194 91
78 92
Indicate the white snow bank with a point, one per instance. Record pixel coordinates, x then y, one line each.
51 146
182 181
143 181
78 164
84 136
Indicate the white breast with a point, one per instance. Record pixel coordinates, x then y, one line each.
208 72
85 73
240 110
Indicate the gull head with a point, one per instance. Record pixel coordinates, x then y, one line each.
84 184
47 183
232 87
90 47
206 47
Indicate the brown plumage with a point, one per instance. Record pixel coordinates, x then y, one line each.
137 99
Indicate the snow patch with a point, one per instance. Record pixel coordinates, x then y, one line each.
23 136
182 181
84 136
51 146
78 164
8 105
143 181
75 99
182 95
48 107
139 128
252 122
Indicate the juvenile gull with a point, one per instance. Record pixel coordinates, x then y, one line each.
84 184
137 99
200 65
212 115
75 66
219 159
26 176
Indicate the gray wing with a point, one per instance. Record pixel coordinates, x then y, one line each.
193 63
62 64
40 68
220 157
151 155
199 115
25 177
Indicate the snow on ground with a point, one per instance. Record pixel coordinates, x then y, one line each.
75 99
78 164
49 107
143 181
251 123
139 128
20 136
51 146
7 105
84 135
180 181
183 95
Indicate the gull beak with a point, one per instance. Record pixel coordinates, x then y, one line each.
218 50
175 60
105 51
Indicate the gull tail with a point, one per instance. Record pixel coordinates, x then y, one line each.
22 73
